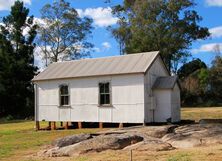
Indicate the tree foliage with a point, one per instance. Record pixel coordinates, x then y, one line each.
190 67
169 26
63 33
17 62
216 77
201 85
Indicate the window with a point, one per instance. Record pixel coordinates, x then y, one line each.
104 94
64 95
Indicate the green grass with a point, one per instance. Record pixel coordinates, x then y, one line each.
17 138
180 157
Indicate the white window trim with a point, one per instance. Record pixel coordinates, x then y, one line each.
69 95
110 94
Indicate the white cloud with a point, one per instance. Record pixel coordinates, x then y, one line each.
6 4
36 20
102 17
214 3
96 49
38 58
106 45
216 32
207 48
39 21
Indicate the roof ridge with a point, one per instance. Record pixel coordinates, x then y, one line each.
106 57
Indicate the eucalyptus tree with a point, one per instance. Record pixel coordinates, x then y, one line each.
63 34
169 26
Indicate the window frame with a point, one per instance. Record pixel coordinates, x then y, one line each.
110 94
69 100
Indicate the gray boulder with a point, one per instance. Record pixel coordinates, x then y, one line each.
150 144
194 135
152 131
69 140
96 144
156 131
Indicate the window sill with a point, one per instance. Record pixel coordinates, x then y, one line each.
105 105
65 106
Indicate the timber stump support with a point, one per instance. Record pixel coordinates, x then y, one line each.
67 125
79 125
50 125
37 125
100 125
120 125
54 125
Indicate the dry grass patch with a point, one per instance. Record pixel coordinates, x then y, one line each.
194 154
201 113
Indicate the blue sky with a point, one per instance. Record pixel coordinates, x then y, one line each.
105 45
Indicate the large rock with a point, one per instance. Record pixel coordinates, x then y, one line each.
96 144
194 135
152 131
156 131
150 138
150 144
69 140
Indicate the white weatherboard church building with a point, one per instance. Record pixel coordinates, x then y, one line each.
135 88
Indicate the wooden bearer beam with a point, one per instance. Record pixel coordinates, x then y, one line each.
79 125
37 125
120 125
101 125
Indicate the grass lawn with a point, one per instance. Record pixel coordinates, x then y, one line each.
201 113
19 140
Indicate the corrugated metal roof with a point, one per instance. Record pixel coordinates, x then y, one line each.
125 64
167 82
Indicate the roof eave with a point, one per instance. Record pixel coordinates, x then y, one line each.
104 75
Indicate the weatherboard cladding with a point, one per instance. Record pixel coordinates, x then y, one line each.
167 82
126 64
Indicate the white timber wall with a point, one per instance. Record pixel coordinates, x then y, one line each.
127 100
157 69
162 111
167 104
175 103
